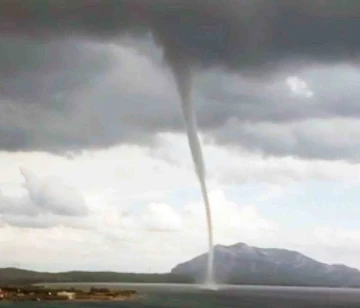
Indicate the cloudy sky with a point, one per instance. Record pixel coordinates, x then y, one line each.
96 172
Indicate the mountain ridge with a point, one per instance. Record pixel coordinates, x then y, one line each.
244 264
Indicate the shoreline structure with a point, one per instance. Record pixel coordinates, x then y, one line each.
40 293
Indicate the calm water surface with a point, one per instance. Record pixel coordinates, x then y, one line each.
190 296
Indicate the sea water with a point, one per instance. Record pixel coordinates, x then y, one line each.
193 296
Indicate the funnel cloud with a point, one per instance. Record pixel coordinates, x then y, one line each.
182 74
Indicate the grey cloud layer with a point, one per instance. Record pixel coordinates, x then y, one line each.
136 99
64 86
334 139
39 83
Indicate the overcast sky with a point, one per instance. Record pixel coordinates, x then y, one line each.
96 172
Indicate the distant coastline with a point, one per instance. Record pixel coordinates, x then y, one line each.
238 264
18 276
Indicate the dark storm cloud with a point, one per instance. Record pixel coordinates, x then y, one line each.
39 82
231 33
54 56
34 70
335 93
86 96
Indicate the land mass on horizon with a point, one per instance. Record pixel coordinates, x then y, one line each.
235 264
244 264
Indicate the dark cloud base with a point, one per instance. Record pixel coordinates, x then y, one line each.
232 33
50 52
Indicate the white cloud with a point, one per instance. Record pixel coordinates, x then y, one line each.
160 217
237 166
329 244
338 237
231 221
46 202
17 205
139 218
299 87
149 232
44 221
54 196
